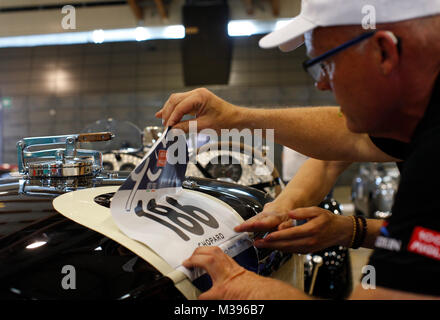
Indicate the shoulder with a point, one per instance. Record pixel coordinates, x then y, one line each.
424 157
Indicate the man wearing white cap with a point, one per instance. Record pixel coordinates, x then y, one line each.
387 84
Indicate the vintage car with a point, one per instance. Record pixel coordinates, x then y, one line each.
32 257
38 243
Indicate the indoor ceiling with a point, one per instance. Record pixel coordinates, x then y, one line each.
32 3
30 17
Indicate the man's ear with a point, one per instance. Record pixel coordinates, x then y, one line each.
388 45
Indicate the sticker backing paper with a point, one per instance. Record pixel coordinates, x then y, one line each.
153 208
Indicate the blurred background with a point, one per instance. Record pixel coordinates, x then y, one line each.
66 64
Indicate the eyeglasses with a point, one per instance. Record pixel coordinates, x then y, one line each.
317 67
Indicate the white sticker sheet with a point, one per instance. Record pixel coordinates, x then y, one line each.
153 208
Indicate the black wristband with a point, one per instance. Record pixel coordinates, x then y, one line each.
356 235
364 230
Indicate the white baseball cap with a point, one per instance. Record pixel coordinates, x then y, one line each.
326 13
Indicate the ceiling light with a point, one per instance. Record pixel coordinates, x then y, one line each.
98 36
236 28
174 32
241 28
141 34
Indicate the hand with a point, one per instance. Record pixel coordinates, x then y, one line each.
274 216
322 230
232 282
209 110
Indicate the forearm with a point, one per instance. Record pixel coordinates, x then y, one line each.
318 132
312 183
373 230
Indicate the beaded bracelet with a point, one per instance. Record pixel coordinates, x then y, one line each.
358 230
362 232
354 231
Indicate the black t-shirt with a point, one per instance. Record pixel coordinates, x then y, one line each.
407 252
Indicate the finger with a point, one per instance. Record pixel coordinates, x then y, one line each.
184 125
210 250
295 246
188 263
302 231
260 223
188 105
286 224
171 104
207 263
305 213
211 259
168 106
266 224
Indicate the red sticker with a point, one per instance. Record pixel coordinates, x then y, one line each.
425 242
162 159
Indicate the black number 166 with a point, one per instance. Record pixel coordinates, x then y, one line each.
193 215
